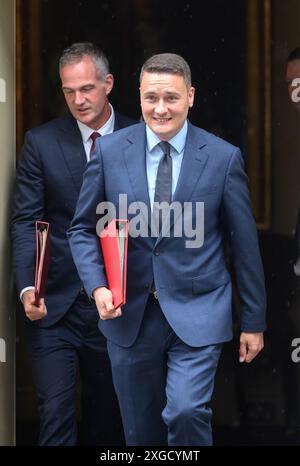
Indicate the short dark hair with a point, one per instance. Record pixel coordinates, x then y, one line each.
294 55
168 63
75 52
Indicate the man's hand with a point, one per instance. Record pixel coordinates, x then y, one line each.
32 311
250 345
104 302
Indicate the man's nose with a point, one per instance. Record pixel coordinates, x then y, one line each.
79 99
160 107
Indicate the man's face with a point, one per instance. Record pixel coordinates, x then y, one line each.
165 102
85 94
293 72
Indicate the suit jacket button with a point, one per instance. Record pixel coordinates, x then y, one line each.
156 252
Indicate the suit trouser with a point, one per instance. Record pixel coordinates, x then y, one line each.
56 353
163 385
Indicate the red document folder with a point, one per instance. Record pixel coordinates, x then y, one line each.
114 245
42 259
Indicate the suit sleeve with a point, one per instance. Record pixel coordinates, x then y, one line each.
27 207
83 239
241 230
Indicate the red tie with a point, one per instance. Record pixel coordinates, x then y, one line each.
93 137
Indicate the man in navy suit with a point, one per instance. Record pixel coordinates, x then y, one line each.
62 331
165 342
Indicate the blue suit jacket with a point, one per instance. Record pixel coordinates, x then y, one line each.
48 183
193 285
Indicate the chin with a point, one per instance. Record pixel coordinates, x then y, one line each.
87 122
84 118
160 129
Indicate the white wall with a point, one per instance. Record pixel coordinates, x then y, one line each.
7 168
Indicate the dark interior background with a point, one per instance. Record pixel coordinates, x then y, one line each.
210 36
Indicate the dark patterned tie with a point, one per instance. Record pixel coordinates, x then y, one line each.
93 137
163 186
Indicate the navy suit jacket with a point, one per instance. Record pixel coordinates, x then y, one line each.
193 284
48 183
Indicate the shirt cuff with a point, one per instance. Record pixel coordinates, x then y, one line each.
23 291
100 286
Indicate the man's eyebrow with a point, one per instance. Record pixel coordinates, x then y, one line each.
290 81
167 92
83 88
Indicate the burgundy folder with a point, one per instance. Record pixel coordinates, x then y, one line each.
114 245
42 235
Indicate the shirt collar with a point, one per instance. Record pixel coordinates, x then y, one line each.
177 142
107 128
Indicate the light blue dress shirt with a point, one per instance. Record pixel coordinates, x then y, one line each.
154 154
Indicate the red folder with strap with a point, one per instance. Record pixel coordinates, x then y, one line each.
42 235
114 245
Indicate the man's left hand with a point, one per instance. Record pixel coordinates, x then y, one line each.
250 345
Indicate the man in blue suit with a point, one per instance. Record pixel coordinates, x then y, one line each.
165 343
62 331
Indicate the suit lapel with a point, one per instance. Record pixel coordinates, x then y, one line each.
71 144
193 163
135 160
70 141
194 160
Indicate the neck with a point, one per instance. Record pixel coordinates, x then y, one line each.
106 112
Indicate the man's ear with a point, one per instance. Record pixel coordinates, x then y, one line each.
109 83
191 96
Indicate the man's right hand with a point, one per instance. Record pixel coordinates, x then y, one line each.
32 311
104 302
